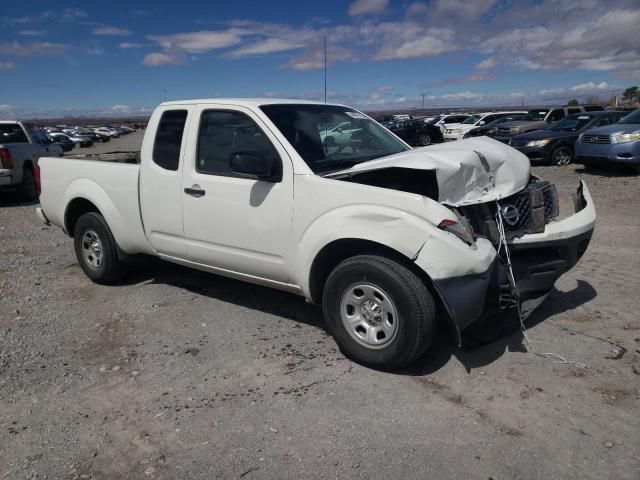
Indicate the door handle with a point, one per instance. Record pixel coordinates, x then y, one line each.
194 191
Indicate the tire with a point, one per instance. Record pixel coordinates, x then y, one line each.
99 261
27 188
391 298
424 140
561 156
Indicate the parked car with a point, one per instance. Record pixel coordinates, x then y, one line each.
93 135
555 145
616 144
539 118
490 129
379 233
21 146
416 132
339 135
80 141
442 121
63 140
456 131
110 132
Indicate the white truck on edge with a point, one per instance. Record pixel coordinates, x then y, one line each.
392 241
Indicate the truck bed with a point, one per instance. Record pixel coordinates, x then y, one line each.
109 181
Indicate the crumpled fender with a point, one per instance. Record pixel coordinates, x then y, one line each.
399 230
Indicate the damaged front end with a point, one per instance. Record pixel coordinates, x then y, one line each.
541 248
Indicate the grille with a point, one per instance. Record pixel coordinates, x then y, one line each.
537 205
602 139
504 131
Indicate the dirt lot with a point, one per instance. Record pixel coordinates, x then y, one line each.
180 374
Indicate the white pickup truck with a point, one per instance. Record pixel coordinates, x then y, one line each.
391 240
21 145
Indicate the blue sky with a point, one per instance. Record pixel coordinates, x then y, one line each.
125 57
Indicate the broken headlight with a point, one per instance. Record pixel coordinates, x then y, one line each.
460 229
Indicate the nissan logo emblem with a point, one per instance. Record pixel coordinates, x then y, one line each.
510 214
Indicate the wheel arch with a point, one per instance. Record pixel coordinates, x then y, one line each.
339 250
75 209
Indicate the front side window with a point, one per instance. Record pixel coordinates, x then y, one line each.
166 148
309 128
572 123
556 115
633 117
223 133
472 120
536 115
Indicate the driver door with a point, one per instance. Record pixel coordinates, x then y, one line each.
235 222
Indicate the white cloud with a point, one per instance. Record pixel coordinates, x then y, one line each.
199 42
432 43
120 108
32 33
367 7
7 65
487 64
111 31
270 45
160 59
31 49
130 45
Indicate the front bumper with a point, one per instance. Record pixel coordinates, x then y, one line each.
607 154
538 260
537 154
452 136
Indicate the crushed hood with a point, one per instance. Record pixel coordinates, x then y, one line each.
469 171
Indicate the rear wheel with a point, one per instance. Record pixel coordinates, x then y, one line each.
424 140
561 156
27 189
96 249
379 312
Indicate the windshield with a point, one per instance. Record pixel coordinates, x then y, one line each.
572 122
330 137
536 115
633 117
472 119
435 120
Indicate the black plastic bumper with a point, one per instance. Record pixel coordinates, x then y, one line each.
536 267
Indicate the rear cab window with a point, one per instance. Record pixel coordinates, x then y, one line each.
168 141
12 133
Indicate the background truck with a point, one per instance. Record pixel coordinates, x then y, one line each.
392 241
538 119
21 145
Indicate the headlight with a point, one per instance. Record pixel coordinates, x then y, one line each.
580 137
460 229
538 143
628 137
513 130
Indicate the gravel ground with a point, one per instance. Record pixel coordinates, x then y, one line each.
181 374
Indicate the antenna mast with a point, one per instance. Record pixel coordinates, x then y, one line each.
325 69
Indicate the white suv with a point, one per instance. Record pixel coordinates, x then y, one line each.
456 131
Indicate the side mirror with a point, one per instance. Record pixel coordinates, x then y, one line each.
252 163
482 122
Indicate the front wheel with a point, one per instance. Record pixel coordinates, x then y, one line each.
424 140
379 312
561 156
96 249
